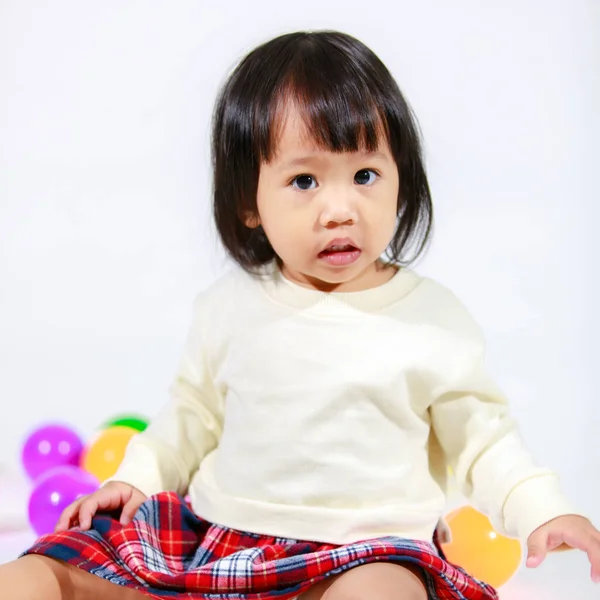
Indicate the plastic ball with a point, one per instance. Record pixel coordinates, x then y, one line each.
50 446
105 452
136 422
479 549
53 492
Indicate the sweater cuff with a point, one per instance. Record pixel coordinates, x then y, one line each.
534 502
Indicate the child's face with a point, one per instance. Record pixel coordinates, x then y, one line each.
309 198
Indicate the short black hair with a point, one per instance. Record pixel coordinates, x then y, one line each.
348 99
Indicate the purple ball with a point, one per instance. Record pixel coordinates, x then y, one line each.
54 491
50 446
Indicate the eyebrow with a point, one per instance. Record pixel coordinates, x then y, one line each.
312 159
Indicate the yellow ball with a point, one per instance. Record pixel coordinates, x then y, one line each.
479 549
105 452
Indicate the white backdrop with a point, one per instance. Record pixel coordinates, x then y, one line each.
105 233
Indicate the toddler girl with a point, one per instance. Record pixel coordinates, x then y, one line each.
324 390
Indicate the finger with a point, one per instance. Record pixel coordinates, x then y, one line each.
590 544
555 542
537 548
103 499
130 509
594 558
87 511
64 522
584 542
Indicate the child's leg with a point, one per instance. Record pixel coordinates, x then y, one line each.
34 577
375 581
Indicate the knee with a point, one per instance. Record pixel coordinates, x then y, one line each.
378 581
30 578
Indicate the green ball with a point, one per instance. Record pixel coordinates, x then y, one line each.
133 422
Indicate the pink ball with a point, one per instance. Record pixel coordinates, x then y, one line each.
50 446
54 491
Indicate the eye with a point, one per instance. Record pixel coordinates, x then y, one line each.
365 176
304 182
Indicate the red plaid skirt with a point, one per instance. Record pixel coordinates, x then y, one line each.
168 551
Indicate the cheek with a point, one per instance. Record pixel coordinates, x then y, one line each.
282 228
384 211
383 219
385 228
280 216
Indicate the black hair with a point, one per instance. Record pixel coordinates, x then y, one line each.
348 100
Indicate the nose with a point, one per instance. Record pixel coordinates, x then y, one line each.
338 209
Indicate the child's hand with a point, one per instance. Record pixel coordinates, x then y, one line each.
109 497
568 531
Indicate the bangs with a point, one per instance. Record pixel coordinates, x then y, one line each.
332 120
339 98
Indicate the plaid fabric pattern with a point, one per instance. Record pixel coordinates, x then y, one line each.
169 552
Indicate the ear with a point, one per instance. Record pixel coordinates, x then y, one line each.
252 221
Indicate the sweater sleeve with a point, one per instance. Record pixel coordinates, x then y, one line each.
168 452
493 468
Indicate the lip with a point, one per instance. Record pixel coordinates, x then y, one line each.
343 258
347 241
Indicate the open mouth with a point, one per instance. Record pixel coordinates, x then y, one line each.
340 253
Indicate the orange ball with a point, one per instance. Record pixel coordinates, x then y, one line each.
105 452
479 549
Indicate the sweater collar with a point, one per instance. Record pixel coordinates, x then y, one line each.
285 291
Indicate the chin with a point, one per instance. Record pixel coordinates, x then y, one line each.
337 275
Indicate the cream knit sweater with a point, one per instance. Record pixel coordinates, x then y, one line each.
333 417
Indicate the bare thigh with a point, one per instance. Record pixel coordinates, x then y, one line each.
375 581
36 577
